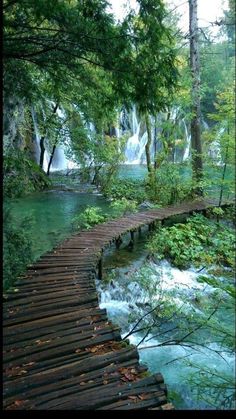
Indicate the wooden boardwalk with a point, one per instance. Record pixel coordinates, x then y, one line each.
60 351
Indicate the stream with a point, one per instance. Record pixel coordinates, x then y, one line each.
198 377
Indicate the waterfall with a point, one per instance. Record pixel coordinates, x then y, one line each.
36 142
135 147
60 161
37 136
188 138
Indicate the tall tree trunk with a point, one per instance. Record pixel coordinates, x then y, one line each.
148 145
42 147
51 158
155 144
224 170
42 151
196 145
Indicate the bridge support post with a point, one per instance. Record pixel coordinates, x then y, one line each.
118 242
131 243
100 268
151 226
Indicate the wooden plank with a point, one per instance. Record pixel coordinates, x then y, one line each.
48 392
92 399
43 297
63 327
51 375
53 322
11 321
54 319
36 346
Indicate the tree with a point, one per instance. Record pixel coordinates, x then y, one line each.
154 68
197 164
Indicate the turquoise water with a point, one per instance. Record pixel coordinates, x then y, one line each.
133 171
200 375
51 212
212 177
50 215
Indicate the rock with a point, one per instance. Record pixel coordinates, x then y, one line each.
146 204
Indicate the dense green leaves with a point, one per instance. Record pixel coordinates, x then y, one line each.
17 247
22 175
199 242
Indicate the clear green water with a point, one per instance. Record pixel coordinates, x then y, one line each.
133 171
51 212
212 177
50 215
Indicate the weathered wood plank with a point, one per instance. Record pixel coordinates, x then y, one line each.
53 329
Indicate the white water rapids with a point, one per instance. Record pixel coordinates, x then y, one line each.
129 296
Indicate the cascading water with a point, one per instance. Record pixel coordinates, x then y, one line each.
135 147
60 161
188 141
36 142
131 295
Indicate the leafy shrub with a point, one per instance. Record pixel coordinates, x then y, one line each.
17 248
126 188
198 242
90 217
167 187
123 206
22 175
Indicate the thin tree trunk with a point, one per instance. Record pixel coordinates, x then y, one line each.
42 147
42 151
155 144
51 158
197 165
148 145
224 171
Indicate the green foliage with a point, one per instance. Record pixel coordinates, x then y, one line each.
212 386
123 206
22 175
198 242
17 248
218 211
89 218
217 283
127 188
93 215
167 187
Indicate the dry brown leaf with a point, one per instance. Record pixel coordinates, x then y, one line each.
19 402
129 376
82 383
143 396
132 397
105 382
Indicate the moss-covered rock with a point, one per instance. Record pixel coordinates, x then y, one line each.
22 175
